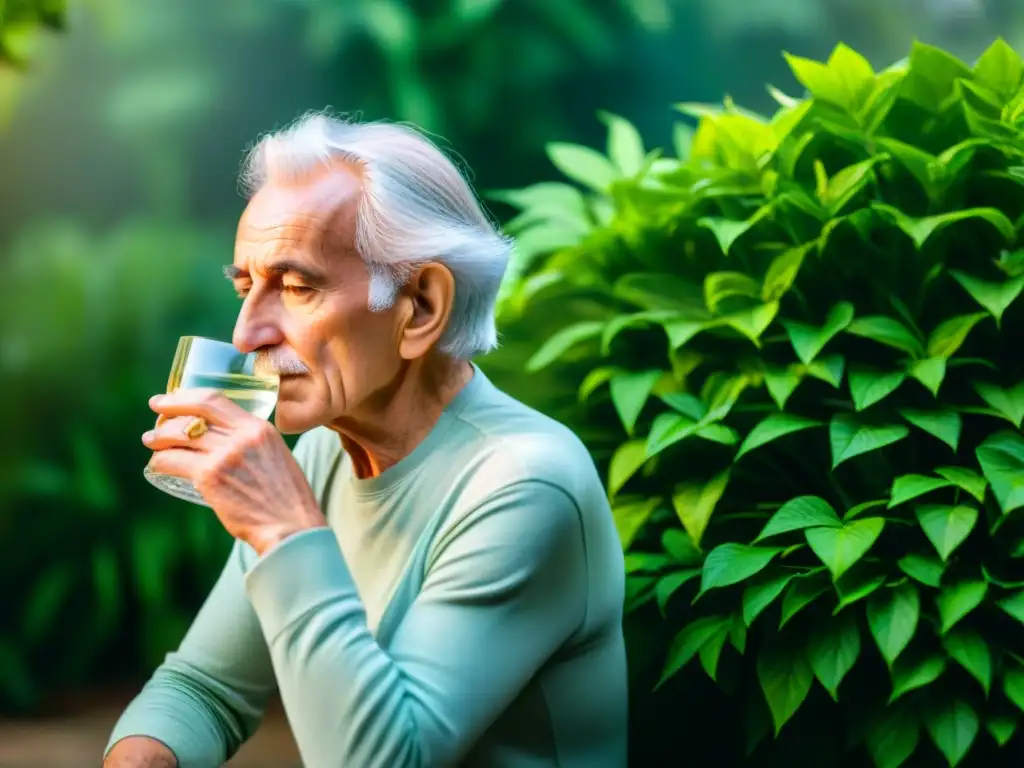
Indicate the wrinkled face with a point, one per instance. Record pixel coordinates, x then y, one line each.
304 293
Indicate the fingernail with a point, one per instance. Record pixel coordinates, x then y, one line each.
147 437
155 399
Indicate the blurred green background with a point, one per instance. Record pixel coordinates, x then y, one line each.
122 125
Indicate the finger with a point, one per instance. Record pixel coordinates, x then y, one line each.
208 403
173 433
177 462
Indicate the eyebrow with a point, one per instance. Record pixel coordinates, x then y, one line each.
309 276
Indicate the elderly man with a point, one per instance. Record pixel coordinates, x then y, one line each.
433 578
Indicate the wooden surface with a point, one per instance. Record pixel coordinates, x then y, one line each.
74 736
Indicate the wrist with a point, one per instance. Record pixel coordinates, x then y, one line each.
269 537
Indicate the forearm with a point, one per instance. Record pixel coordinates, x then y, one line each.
177 711
140 752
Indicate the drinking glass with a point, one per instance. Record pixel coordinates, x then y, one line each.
210 364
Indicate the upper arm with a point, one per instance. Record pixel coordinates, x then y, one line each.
506 588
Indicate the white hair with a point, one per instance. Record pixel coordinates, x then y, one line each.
416 207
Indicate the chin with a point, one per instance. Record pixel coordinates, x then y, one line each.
290 420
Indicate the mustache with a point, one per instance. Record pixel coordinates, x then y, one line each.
279 362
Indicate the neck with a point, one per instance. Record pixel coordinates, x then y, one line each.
399 416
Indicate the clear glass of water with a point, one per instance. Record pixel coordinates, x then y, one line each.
210 364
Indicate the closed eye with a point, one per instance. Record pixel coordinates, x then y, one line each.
299 290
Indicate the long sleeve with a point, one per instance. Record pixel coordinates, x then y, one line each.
209 696
505 588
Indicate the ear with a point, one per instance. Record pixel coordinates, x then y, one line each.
430 294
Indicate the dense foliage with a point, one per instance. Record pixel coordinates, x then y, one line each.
792 349
20 21
95 558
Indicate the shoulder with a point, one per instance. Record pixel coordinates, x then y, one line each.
511 443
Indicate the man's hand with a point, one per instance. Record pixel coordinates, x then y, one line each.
140 752
240 464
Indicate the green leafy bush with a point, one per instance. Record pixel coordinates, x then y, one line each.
105 571
793 350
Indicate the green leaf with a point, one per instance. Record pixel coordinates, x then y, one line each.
582 164
856 585
921 230
848 183
1001 728
868 387
808 341
689 641
953 727
668 585
694 503
45 601
727 231
923 166
921 568
786 677
595 379
1008 402
947 338
864 506
886 331
752 322
822 83
850 438
782 272
957 600
772 428
629 392
721 286
1001 457
907 487
911 672
798 514
971 652
966 479
996 297
625 146
930 372
893 738
630 516
1013 686
1000 68
828 369
832 650
759 596
680 546
799 595
840 548
942 423
782 382
659 292
667 429
646 562
946 526
738 636
627 459
1014 605
712 650
562 341
732 563
892 617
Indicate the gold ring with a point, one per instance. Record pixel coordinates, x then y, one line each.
196 428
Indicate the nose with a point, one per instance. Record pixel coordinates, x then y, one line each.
255 329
